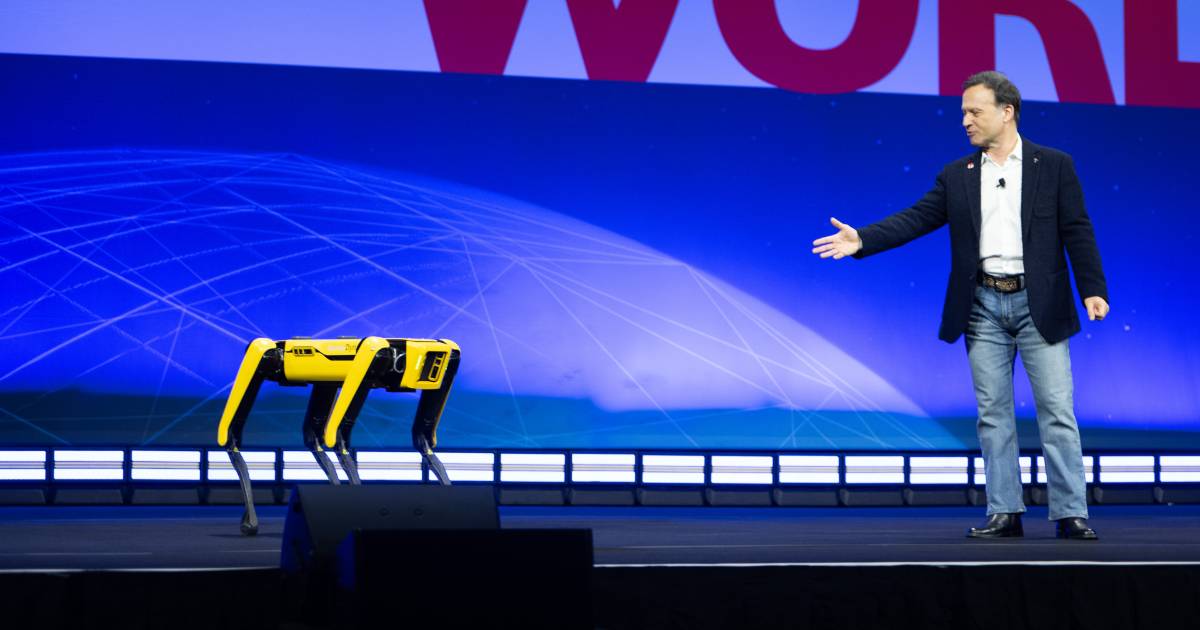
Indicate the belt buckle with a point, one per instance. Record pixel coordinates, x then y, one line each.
1010 284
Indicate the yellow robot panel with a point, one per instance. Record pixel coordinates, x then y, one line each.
318 360
425 362
245 374
355 373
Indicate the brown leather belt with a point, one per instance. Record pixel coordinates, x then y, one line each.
1002 284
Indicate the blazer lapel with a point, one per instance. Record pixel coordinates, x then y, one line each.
1029 181
972 181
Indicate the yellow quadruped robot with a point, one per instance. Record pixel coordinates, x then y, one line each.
342 371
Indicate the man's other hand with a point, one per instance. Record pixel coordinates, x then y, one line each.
1097 308
845 243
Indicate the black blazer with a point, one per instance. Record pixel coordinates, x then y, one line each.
1052 218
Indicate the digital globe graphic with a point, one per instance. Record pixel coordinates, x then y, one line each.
133 280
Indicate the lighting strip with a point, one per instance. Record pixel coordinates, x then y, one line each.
165 465
743 469
683 469
819 469
260 465
533 467
468 466
302 466
22 465
938 470
71 465
1179 468
389 465
881 469
603 468
1126 469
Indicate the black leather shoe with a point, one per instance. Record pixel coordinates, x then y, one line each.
1076 528
999 526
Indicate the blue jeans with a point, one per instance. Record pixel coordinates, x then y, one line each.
1000 326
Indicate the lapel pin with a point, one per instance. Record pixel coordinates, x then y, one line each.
1035 159
972 164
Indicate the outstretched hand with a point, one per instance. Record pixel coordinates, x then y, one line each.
845 243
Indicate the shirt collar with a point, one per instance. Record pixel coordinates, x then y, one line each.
1016 153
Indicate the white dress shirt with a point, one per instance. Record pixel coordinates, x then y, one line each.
1000 250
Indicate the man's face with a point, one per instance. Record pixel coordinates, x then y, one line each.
982 119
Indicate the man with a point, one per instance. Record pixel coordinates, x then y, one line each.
1013 207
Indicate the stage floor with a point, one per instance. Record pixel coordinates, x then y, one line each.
206 537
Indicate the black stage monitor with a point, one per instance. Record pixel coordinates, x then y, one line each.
319 517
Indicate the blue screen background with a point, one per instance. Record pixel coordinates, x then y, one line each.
729 185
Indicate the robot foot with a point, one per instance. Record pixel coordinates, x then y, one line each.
249 524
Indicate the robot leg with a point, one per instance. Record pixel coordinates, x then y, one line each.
261 361
435 464
319 404
249 517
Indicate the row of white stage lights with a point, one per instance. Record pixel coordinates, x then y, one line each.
137 465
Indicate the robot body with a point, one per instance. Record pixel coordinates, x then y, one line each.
342 372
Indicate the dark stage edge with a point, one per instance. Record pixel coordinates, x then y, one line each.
141 566
206 537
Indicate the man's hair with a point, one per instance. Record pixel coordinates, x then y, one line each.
1006 93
